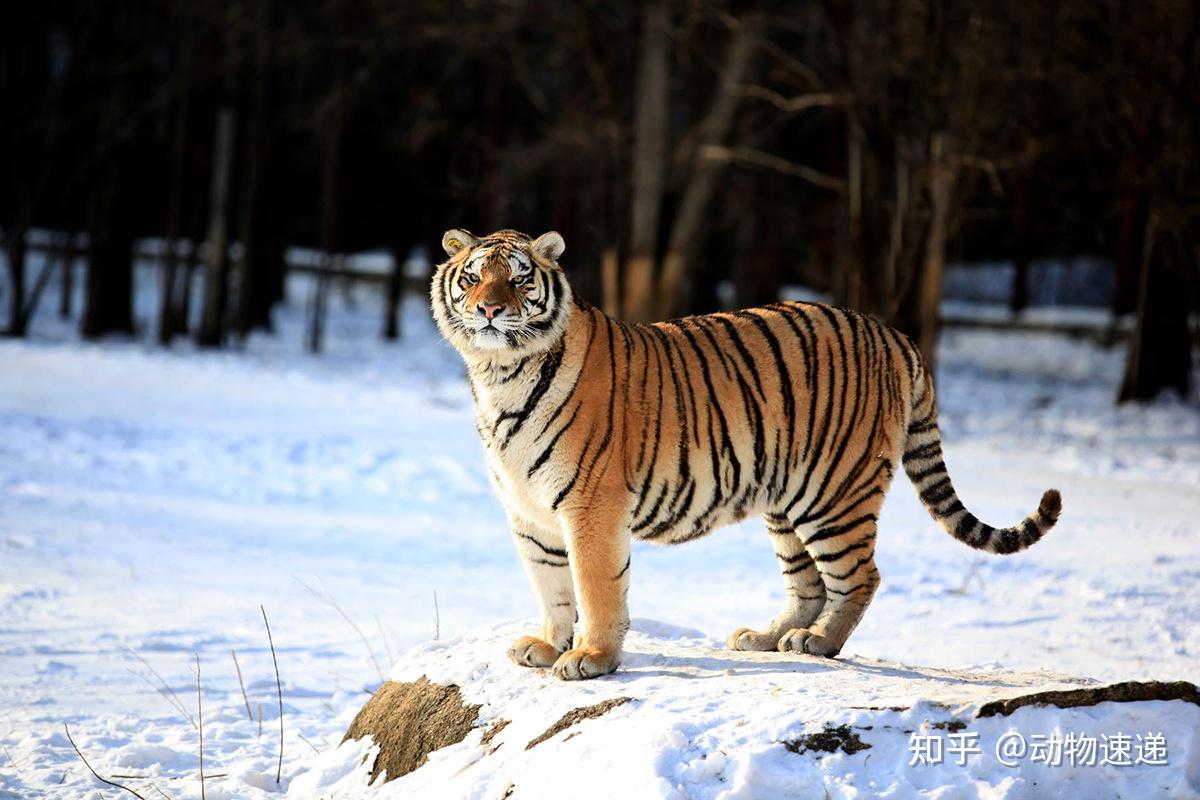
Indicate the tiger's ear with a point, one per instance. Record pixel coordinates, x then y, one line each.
549 246
455 240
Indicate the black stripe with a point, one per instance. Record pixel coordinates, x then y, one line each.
624 569
545 377
550 551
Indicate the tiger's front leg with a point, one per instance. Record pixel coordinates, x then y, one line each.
545 557
600 559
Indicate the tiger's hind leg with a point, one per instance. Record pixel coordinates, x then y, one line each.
805 590
843 551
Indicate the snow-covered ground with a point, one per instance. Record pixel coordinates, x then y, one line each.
694 721
151 500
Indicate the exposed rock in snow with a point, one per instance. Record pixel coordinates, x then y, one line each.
409 721
685 718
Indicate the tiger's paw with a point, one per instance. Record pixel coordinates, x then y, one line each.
749 639
530 651
581 663
803 640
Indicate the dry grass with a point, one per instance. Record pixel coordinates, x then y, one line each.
328 598
200 717
94 773
162 688
279 690
241 685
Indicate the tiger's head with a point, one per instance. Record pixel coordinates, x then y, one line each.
502 294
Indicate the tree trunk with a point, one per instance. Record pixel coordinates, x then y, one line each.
184 313
649 162
1126 264
1019 297
16 249
941 190
261 245
109 283
395 297
686 233
66 289
216 278
756 256
169 324
330 209
1160 352
847 283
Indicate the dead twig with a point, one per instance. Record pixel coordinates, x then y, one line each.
89 766
972 575
241 685
279 690
387 648
200 717
328 598
310 744
437 618
165 690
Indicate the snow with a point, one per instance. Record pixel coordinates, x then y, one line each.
705 722
151 500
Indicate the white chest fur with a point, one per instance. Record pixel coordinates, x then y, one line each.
517 419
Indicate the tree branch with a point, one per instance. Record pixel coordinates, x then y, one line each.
758 158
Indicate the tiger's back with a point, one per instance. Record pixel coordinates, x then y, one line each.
799 412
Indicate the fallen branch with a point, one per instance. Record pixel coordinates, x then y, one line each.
279 690
89 766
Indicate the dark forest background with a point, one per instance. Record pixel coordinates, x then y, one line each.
852 147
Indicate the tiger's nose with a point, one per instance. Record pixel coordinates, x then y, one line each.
489 310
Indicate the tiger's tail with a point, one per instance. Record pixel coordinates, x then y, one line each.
926 468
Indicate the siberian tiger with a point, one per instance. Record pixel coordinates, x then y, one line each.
597 431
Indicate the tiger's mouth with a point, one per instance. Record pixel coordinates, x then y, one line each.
491 338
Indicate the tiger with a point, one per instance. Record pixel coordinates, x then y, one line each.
598 431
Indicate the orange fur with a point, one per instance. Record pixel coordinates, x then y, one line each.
598 431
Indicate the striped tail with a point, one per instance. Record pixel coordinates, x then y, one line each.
927 470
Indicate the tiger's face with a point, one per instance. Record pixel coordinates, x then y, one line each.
502 294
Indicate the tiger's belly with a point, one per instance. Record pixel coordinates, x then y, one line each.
540 475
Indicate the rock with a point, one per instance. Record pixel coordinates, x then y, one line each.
829 740
575 716
408 721
1127 692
